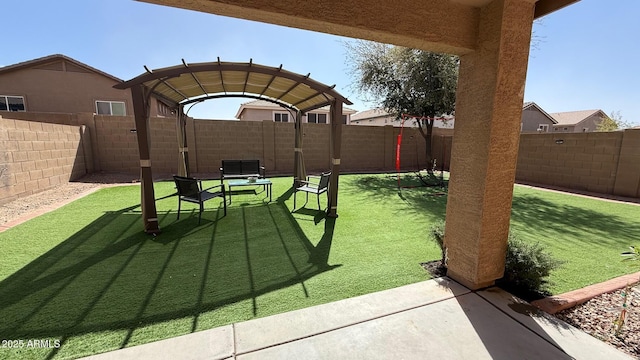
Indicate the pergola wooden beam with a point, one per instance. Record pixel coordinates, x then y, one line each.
159 81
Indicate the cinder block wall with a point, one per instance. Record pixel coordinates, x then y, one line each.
582 161
37 156
600 162
627 182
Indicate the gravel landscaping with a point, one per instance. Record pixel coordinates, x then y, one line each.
59 194
597 317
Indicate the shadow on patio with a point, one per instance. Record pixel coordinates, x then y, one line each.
111 276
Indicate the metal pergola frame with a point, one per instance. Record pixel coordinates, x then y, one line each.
189 83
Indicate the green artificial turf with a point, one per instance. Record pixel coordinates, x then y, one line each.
587 234
87 276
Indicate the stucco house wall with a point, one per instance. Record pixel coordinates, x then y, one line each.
578 121
262 110
533 118
59 84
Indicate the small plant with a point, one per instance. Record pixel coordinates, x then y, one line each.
527 267
632 255
618 324
436 233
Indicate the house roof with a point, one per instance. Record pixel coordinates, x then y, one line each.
574 117
267 105
52 59
188 83
531 104
369 114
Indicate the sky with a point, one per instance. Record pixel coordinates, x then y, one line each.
585 57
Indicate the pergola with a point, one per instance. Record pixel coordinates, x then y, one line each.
190 83
492 38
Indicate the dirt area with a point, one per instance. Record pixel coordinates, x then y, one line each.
597 317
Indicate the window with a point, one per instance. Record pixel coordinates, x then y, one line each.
543 128
164 109
12 103
314 118
280 117
344 119
585 129
110 108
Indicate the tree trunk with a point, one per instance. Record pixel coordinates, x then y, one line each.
426 130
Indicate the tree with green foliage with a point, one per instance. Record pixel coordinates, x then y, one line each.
612 122
406 81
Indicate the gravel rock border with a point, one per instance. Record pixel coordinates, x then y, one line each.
60 194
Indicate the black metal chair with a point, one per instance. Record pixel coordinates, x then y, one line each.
190 190
319 186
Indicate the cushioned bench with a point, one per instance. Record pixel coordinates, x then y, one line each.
241 169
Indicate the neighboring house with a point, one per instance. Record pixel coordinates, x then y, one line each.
578 121
60 84
535 119
374 117
261 110
379 117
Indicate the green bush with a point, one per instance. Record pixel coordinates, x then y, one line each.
527 265
437 234
527 268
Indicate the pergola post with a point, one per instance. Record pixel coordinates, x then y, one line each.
336 144
147 194
299 171
183 150
485 146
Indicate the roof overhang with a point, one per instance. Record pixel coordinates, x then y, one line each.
189 83
452 24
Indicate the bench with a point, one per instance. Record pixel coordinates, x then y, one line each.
241 169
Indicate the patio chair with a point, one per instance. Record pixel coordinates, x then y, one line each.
318 186
190 190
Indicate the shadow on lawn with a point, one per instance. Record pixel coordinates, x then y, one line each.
571 220
432 199
111 276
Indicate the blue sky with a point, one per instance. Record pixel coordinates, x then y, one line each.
586 59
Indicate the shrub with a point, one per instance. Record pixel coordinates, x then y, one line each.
527 265
437 234
527 268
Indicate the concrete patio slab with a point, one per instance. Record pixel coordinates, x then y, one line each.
464 327
574 342
214 344
434 319
260 333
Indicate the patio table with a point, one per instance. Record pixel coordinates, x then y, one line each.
266 185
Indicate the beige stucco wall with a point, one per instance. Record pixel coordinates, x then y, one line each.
531 120
57 91
249 114
62 91
378 121
589 124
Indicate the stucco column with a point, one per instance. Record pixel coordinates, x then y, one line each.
485 144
